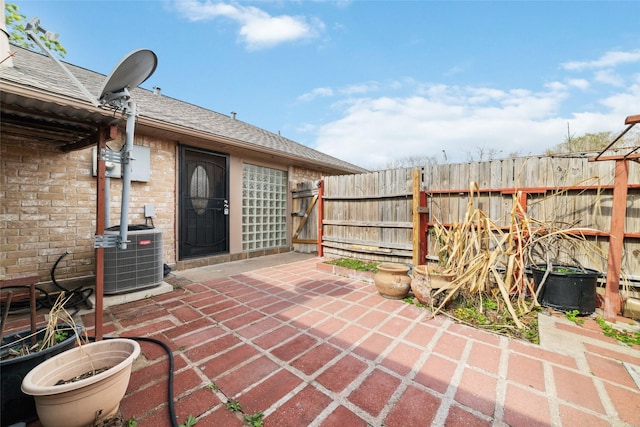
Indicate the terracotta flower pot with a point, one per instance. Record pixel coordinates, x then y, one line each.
392 280
426 280
83 402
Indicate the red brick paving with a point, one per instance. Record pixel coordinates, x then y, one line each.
610 370
220 364
478 391
307 347
372 346
626 402
458 417
527 371
343 417
315 359
415 408
436 373
300 410
524 407
342 373
577 388
245 376
375 391
266 393
575 417
485 357
294 347
402 358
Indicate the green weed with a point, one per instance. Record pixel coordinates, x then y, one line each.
233 405
189 422
61 335
355 264
572 316
254 420
626 337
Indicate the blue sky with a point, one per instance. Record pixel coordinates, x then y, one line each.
372 82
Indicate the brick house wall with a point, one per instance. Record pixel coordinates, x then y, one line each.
49 205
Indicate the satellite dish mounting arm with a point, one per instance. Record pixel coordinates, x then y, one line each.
34 27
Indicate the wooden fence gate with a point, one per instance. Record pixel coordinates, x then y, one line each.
304 215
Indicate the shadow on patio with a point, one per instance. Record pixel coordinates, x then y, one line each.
308 348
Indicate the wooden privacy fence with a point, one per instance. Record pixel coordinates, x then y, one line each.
371 216
386 215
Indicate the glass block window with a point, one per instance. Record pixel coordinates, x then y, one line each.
264 207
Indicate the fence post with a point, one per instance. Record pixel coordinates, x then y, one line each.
320 215
612 303
417 238
419 253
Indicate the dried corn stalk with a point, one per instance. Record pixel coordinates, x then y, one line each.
58 314
491 261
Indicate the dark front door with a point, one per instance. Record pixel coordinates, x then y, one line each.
204 203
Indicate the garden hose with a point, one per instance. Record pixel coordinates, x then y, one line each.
76 296
172 409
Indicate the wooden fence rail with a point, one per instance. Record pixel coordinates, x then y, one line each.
371 216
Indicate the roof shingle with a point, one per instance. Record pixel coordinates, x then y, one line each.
37 71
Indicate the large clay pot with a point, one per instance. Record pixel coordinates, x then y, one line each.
86 401
426 280
392 280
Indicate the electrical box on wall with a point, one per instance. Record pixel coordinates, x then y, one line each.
140 164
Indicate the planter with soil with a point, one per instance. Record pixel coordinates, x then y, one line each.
566 288
427 280
15 363
84 385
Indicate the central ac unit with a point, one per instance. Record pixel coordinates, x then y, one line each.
137 267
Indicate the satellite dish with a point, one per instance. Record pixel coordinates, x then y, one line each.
132 70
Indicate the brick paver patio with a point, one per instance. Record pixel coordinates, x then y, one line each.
309 348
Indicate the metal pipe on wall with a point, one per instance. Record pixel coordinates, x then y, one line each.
126 173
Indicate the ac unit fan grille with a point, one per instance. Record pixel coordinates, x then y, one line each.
137 267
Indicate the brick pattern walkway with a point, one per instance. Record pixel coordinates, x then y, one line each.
309 348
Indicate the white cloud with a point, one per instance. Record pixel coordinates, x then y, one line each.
258 29
556 86
356 89
609 59
609 77
372 132
359 88
579 83
315 93
624 104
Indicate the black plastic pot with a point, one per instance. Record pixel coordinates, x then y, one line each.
17 406
567 288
